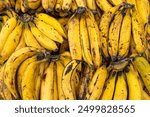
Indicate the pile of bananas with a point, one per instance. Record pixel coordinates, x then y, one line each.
75 49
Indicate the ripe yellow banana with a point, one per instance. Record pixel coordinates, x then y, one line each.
66 6
53 22
47 86
28 81
21 71
60 69
67 78
97 83
74 37
109 87
30 40
91 4
94 37
85 42
12 65
125 36
120 92
34 4
43 40
138 33
103 5
11 43
135 92
114 32
48 30
143 9
6 30
143 67
104 28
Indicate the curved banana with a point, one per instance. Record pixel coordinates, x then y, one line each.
103 5
11 43
104 28
30 40
94 37
48 30
125 36
53 22
21 71
97 83
6 30
47 86
144 13
138 33
60 69
74 37
120 92
135 92
12 65
28 81
114 32
67 78
43 39
85 42
109 87
143 67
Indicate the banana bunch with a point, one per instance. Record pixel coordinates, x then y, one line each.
84 39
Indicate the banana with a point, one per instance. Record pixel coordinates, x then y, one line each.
81 3
21 43
104 28
24 6
43 39
91 4
66 6
60 69
51 4
114 32
47 87
103 5
120 92
144 13
18 6
116 2
21 71
6 30
58 5
109 87
12 65
30 40
85 42
45 4
97 83
38 82
74 37
125 36
34 4
11 43
28 81
67 78
53 22
135 92
143 67
138 33
49 31
94 37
